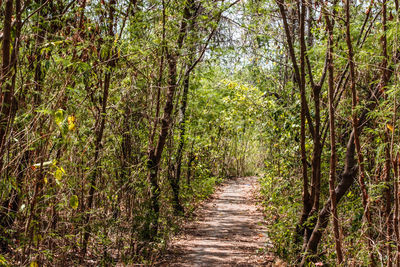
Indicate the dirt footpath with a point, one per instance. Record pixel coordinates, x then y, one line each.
228 231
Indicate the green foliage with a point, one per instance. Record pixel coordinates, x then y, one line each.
89 90
74 202
282 211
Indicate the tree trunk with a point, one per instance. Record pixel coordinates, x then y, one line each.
387 193
7 113
347 176
99 131
154 155
332 170
153 163
300 80
182 130
5 82
360 157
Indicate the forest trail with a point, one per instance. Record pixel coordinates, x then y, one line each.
228 231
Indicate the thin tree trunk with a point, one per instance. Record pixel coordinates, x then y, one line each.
154 155
159 83
99 132
350 169
360 157
396 224
388 199
178 208
5 82
396 169
387 193
153 163
11 205
39 74
307 205
190 160
182 130
332 170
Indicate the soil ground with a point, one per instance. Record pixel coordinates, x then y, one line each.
228 230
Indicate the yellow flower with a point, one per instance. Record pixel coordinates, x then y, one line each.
71 122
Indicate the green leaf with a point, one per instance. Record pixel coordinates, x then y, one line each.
59 173
59 117
3 261
74 202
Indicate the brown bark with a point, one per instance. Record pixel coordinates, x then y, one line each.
348 176
302 84
350 169
299 77
349 173
159 83
99 131
396 224
290 42
317 142
332 169
182 125
8 109
387 193
178 208
39 153
97 150
182 130
151 164
154 154
360 157
5 82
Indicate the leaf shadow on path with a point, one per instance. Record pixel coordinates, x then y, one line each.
228 231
